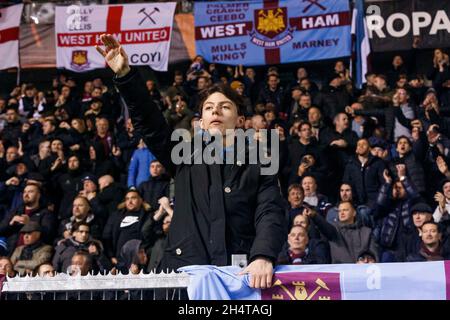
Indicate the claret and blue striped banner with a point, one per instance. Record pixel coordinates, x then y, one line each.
272 31
382 281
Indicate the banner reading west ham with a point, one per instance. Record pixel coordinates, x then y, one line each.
272 32
9 36
144 30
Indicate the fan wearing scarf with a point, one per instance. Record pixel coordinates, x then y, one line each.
220 209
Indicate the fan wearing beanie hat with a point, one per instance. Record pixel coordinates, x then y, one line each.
421 213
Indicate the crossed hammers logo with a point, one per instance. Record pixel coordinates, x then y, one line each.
312 3
148 15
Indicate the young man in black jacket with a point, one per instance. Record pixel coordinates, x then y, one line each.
220 210
157 187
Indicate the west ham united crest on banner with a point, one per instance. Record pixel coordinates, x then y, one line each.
272 32
271 28
144 30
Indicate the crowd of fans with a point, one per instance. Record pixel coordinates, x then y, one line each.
364 171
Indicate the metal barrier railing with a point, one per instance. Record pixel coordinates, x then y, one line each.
162 286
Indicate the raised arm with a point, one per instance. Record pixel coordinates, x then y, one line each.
145 115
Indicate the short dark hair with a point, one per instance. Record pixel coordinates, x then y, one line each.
77 225
96 100
227 92
52 122
36 270
347 184
133 190
305 123
365 139
403 137
346 201
30 86
308 175
433 223
85 254
295 186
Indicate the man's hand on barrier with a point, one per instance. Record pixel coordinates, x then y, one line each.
261 272
114 54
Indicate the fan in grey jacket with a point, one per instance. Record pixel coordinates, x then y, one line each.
349 240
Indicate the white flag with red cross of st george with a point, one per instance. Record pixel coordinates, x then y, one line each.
9 36
144 30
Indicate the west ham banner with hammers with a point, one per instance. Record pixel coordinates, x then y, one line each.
144 30
272 31
380 281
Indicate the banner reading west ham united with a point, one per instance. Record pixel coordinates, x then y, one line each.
9 36
144 30
272 32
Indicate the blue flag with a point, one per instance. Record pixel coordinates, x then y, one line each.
272 32
361 45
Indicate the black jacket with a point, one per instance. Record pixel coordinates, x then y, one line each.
67 248
118 229
332 100
317 252
387 116
276 97
365 181
421 255
11 133
154 241
70 185
110 197
95 225
209 225
414 171
154 189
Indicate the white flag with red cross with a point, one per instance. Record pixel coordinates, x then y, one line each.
9 36
144 30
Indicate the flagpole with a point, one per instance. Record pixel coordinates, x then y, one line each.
18 65
18 73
